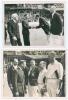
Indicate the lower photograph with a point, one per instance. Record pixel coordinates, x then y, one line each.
34 73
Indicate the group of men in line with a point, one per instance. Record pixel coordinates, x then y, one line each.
42 80
55 27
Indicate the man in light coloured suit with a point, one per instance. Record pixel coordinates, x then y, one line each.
42 90
54 76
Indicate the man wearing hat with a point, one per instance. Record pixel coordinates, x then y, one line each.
13 30
54 75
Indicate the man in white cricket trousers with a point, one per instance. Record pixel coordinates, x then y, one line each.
54 76
41 83
32 79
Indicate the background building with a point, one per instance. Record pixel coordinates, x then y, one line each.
32 10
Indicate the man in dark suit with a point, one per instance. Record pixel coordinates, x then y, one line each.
25 31
13 30
18 79
25 69
55 21
32 78
43 24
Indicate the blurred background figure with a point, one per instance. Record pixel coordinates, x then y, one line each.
9 74
5 36
8 91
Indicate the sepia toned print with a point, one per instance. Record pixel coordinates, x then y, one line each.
34 74
34 24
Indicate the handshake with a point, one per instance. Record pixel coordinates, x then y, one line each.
14 38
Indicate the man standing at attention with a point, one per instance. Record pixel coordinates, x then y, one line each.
32 78
25 31
55 26
13 30
54 76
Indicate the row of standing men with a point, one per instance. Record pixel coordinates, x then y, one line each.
36 81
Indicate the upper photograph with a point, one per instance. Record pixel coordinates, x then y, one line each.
34 24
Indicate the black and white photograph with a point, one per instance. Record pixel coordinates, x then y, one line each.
34 73
34 24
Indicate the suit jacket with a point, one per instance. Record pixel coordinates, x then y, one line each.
43 24
25 32
18 81
33 76
13 29
25 26
26 70
56 24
